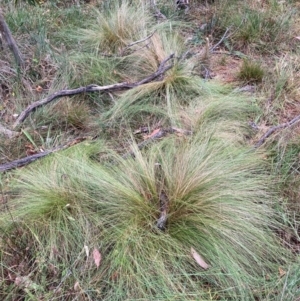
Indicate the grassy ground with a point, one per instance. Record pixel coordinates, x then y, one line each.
198 214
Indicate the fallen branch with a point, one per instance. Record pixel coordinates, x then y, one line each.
25 161
225 36
94 88
29 159
161 222
163 206
275 128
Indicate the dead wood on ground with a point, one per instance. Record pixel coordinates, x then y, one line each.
29 159
163 67
273 129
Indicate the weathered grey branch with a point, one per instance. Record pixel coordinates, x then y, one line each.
275 128
11 43
158 13
137 42
29 159
163 204
24 161
225 36
93 88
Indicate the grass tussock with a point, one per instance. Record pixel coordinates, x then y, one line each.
251 72
116 28
218 203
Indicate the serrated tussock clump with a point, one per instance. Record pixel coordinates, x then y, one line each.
215 198
113 29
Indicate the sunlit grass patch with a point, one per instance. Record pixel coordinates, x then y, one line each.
115 28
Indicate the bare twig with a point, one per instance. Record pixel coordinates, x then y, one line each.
68 274
24 161
137 42
94 88
163 204
225 36
11 43
29 159
275 128
122 51
158 13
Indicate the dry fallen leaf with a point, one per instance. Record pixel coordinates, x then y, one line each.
18 281
26 282
282 272
199 259
10 277
30 149
76 286
153 134
97 257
